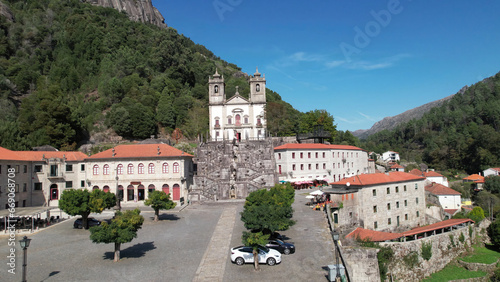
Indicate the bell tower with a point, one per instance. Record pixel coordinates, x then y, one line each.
257 88
216 89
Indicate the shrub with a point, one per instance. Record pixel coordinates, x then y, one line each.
384 256
452 240
411 259
427 250
461 237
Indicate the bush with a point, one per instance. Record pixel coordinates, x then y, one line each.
411 259
427 250
384 256
452 240
461 237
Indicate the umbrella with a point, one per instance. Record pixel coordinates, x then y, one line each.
310 197
317 192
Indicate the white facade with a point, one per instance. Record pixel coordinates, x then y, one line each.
495 171
448 198
390 156
320 161
237 117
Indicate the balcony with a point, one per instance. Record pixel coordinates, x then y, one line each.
53 175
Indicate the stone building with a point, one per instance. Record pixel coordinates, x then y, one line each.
133 171
393 201
237 117
309 161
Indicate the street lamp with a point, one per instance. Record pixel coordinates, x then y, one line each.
335 236
25 243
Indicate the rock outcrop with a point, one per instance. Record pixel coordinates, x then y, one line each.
5 12
137 10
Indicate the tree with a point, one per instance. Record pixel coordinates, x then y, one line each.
494 232
122 229
477 214
492 184
254 240
82 202
159 200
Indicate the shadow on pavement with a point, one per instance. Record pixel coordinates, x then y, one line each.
166 216
51 274
135 251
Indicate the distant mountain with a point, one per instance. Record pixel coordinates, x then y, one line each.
139 11
390 123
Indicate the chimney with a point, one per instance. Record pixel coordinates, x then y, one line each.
158 150
113 152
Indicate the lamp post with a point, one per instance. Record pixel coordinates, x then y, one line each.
335 236
25 243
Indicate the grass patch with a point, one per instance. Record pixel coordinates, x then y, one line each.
453 272
487 255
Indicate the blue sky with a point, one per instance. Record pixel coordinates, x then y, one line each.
359 60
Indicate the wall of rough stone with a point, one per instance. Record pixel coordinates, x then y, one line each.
362 263
445 248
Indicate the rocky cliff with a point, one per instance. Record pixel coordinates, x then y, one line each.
137 10
391 122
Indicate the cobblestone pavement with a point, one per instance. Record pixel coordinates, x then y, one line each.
190 245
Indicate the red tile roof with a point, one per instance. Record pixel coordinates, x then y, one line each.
396 166
39 155
315 146
433 174
377 178
450 211
416 172
372 235
6 154
438 189
474 177
436 226
140 151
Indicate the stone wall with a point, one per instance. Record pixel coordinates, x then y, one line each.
232 170
362 263
445 248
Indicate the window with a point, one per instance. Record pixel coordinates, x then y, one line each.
389 221
82 167
176 167
0 169
38 168
25 187
53 170
397 220
333 165
324 166
25 169
418 214
217 123
293 155
69 167
105 169
317 166
406 216
279 169
309 166
216 89
257 87
404 188
279 156
388 206
130 169
238 119
69 184
151 168
397 189
388 190
375 225
140 168
119 169
229 121
397 205
416 186
374 192
246 120
316 155
95 170
324 156
416 200
37 186
17 168
301 155
293 166
301 167
82 183
406 203
374 209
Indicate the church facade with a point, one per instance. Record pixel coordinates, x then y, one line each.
237 118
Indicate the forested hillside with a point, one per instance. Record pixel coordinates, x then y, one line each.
461 134
70 70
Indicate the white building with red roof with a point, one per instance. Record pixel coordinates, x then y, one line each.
309 161
449 199
133 171
492 171
431 176
379 201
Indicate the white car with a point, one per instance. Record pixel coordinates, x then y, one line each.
242 254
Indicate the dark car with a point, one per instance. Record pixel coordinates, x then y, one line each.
280 246
276 236
91 221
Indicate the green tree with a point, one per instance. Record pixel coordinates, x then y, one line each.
82 202
494 232
122 229
492 184
312 119
255 240
477 214
159 200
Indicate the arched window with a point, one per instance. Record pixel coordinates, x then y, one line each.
130 169
176 167
229 120
238 119
151 188
119 169
95 187
216 89
130 193
95 170
164 168
151 168
105 189
105 169
54 192
245 119
258 121
165 189
257 87
217 124
140 169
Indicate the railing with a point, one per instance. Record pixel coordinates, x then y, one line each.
55 175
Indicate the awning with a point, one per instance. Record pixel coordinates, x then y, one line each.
26 211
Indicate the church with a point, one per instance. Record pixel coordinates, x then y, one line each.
237 118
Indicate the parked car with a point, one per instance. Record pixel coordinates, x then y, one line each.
276 235
280 246
242 254
92 222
